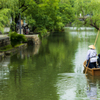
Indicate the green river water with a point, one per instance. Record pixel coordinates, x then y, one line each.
52 70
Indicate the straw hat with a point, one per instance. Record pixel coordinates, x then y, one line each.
92 46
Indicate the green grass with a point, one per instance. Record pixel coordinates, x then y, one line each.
19 45
9 47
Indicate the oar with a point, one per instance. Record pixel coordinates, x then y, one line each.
87 66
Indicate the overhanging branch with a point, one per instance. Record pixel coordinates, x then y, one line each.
25 9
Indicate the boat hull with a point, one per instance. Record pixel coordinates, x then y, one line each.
93 71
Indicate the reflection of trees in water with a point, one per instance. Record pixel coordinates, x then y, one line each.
33 50
38 73
22 60
29 52
28 79
88 87
34 71
58 51
59 37
4 74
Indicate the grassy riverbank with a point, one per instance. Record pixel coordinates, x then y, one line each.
9 47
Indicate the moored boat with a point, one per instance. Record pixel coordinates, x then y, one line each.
93 71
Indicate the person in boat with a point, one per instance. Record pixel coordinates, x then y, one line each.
98 61
91 57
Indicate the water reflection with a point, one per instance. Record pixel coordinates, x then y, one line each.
71 85
29 52
77 87
50 71
4 74
92 87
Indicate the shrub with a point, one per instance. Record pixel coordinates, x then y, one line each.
16 38
42 32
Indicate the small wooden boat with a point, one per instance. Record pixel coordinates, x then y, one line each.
93 71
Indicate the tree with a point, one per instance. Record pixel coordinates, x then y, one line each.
4 18
16 8
4 15
90 10
42 15
48 14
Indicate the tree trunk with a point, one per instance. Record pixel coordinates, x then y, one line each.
14 25
17 23
33 28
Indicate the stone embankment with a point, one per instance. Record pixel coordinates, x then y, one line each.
12 51
33 39
4 40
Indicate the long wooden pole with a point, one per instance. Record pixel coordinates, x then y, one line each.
94 45
96 37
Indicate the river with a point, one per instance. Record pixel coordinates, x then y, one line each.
52 70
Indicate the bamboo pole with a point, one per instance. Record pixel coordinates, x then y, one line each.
94 45
97 37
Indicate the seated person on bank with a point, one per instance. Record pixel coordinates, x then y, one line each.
98 61
91 57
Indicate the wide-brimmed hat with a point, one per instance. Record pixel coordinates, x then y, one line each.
92 46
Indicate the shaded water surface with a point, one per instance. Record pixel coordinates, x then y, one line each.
52 70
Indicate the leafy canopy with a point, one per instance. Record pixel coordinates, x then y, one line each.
49 14
90 10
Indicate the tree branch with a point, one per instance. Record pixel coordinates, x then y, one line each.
94 26
25 9
23 5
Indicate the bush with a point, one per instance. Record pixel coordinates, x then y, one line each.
42 32
16 38
59 26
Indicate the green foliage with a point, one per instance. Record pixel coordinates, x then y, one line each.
9 47
12 26
16 38
5 48
90 7
31 21
4 18
67 13
42 32
51 14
